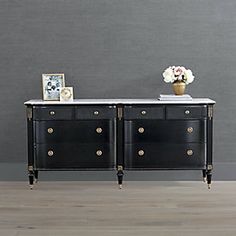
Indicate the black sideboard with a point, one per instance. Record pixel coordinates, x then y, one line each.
120 134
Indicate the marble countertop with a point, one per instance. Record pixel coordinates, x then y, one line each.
120 101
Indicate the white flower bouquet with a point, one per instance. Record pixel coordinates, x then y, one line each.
178 73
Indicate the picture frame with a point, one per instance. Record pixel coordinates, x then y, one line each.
66 94
52 83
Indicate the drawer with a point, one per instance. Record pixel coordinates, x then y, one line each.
76 131
165 156
95 112
75 156
186 112
53 113
144 112
175 131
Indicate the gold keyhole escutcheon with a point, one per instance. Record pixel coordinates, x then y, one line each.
187 112
190 152
190 129
143 112
99 130
50 130
141 153
141 130
99 153
50 153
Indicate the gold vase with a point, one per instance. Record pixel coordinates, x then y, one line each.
179 87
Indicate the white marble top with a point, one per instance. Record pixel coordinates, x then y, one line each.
120 101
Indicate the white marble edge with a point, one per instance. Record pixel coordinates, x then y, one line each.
120 101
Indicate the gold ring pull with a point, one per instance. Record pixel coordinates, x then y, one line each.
99 130
96 113
52 113
141 153
143 112
50 153
190 129
141 130
187 112
99 153
190 152
50 130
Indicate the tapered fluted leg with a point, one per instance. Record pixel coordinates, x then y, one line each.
31 179
36 175
209 175
204 175
120 174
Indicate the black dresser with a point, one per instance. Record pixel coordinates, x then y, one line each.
120 134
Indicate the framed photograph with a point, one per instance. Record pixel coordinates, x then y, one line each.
52 83
66 94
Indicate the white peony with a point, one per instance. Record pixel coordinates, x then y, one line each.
178 73
168 75
189 76
179 70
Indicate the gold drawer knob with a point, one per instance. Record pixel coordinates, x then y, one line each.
143 112
99 153
96 113
99 130
141 153
50 130
187 112
52 113
141 130
50 153
190 129
190 152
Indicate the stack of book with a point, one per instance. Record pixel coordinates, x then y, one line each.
171 97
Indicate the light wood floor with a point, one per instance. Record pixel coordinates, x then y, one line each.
100 208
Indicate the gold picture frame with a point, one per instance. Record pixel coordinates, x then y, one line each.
51 84
66 94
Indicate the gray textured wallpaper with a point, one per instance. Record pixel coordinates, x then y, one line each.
116 48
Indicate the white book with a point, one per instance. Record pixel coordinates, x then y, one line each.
172 97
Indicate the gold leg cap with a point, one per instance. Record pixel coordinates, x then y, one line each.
31 186
209 186
120 186
205 179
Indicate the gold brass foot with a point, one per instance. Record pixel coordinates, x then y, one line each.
120 186
31 186
209 186
204 179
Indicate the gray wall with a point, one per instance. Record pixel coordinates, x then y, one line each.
116 48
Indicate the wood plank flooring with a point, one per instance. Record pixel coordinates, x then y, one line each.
100 208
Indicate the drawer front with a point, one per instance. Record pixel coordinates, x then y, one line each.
144 112
165 156
77 131
186 112
176 131
53 113
95 112
75 156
